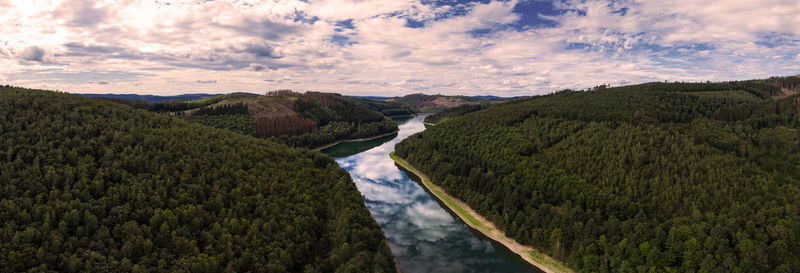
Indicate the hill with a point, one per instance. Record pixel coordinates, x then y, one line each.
375 98
454 112
660 177
497 98
176 106
151 98
435 103
308 119
387 108
94 186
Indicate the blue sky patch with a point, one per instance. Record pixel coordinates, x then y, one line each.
775 39
348 24
300 16
341 40
530 11
411 23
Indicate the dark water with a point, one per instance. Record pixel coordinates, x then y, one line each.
423 235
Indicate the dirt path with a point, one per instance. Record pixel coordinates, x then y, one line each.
326 146
477 222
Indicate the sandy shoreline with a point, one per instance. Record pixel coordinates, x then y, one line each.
477 222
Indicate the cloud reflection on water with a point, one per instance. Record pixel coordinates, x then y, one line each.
422 235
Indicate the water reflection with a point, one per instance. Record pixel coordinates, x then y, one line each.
421 233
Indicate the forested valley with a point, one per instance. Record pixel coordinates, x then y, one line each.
308 120
436 103
658 177
88 185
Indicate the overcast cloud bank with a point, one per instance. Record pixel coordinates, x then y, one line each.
390 47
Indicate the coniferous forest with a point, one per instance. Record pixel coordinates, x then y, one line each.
659 177
454 112
308 120
327 118
87 185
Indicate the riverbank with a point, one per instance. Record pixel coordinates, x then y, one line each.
477 222
326 146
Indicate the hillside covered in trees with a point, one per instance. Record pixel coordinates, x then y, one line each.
659 177
152 98
435 103
92 186
307 119
387 108
454 112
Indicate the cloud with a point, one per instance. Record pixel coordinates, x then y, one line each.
259 49
207 56
493 47
341 10
256 67
84 13
89 49
32 53
265 28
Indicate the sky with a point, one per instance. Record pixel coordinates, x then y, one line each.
390 47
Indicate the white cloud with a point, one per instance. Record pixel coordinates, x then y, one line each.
345 9
258 45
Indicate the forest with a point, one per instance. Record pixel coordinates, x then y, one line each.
436 103
454 112
387 108
335 117
658 177
94 186
234 117
308 120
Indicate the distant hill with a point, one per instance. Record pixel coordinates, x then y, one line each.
658 177
435 103
375 98
387 108
309 119
87 185
467 108
151 98
495 98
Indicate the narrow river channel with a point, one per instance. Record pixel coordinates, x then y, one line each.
423 235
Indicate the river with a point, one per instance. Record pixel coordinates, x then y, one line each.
423 234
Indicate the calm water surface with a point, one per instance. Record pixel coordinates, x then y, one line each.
423 235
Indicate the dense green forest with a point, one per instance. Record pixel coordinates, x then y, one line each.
454 112
435 103
177 105
309 119
659 177
387 108
336 117
92 186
